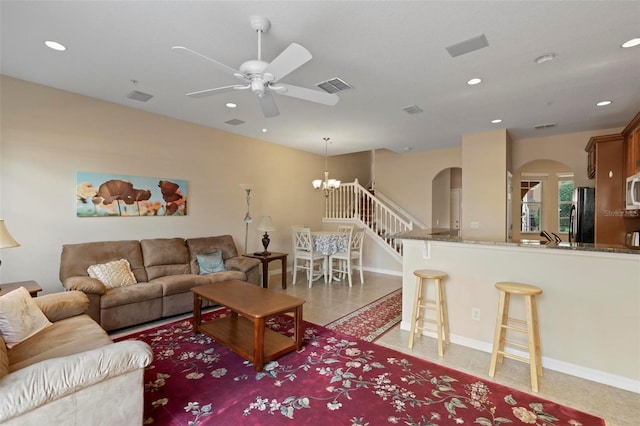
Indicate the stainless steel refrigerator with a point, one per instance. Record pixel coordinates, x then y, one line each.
583 214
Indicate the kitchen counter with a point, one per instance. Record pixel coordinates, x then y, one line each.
443 235
589 303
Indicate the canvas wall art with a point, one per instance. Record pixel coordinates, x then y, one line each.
105 194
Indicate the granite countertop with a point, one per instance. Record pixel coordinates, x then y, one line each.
445 235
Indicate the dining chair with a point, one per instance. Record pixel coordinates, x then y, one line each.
305 257
345 228
346 258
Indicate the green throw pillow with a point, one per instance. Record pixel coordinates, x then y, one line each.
210 262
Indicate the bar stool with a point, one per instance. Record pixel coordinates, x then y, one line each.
439 306
530 329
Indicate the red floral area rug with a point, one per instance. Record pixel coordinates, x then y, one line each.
373 320
335 380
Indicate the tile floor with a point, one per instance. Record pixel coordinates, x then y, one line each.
327 302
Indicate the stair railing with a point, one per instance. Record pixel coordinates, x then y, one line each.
352 201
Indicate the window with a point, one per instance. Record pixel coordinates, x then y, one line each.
531 212
565 199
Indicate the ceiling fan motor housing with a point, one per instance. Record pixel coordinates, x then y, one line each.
260 23
253 68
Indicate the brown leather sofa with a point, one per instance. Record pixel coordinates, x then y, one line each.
165 270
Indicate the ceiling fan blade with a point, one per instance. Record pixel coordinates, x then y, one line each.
217 90
219 65
291 58
317 96
268 104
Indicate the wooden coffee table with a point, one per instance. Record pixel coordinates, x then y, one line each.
244 332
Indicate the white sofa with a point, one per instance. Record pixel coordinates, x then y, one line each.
71 372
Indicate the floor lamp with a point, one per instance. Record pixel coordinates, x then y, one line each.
247 217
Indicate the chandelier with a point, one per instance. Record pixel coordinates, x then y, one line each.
327 185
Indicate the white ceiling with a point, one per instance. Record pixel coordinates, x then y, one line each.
392 52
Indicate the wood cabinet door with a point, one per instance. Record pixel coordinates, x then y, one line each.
610 181
632 146
634 151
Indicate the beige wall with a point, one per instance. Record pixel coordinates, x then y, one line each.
567 149
484 182
407 178
48 135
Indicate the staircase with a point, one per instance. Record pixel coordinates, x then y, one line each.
353 202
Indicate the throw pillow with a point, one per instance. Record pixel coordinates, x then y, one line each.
113 274
210 262
20 317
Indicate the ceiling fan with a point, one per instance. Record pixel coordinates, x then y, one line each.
263 77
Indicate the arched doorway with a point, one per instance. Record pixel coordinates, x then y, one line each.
446 191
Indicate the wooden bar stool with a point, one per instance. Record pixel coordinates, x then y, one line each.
439 306
530 329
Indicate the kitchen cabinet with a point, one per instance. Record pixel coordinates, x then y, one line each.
610 179
631 135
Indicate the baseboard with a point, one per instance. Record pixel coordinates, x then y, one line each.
278 271
597 376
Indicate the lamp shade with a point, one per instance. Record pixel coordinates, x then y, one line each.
265 224
6 240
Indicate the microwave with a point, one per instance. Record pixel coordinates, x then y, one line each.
632 199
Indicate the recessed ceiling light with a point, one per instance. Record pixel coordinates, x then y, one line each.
264 130
408 148
231 105
474 81
603 103
55 45
547 57
496 121
631 43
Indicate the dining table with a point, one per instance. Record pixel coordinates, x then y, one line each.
329 243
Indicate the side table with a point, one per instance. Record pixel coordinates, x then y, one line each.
32 287
265 266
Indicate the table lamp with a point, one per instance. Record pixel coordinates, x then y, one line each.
6 240
265 225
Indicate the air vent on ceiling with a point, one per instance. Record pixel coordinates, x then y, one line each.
334 85
139 96
467 46
544 126
235 122
413 109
